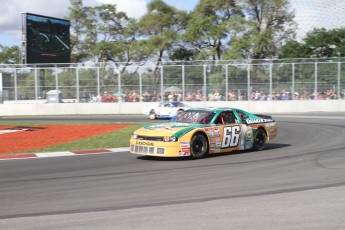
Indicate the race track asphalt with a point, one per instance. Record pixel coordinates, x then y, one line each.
296 183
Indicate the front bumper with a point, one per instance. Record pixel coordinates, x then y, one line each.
159 149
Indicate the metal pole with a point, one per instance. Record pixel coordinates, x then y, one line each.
227 82
162 90
119 85
293 80
248 82
56 79
140 87
183 88
77 83
315 85
204 88
16 85
338 81
98 82
36 84
271 80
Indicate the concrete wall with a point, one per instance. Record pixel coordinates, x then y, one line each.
268 107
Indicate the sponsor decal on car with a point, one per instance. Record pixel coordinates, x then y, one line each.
144 143
231 136
184 152
255 121
185 144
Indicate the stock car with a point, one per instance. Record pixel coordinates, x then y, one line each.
198 132
165 109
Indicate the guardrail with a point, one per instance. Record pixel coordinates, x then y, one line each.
267 107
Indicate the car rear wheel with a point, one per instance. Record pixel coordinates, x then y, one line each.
198 146
260 140
152 114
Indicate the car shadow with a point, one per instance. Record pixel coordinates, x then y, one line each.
155 158
270 146
276 146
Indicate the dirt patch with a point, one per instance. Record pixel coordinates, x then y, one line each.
24 138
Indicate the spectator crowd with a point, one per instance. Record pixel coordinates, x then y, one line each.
232 95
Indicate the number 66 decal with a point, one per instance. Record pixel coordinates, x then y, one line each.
231 136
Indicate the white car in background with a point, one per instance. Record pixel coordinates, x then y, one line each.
167 109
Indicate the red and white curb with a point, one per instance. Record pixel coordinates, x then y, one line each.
62 154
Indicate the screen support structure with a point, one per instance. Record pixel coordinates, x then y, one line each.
23 42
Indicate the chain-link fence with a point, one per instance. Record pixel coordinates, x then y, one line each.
192 81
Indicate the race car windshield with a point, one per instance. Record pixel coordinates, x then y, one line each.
200 117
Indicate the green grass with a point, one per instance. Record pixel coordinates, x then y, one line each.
114 139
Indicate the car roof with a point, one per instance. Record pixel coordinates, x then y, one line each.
174 103
211 109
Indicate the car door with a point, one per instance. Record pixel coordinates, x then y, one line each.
233 135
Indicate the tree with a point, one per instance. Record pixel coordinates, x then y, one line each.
102 33
109 26
9 55
268 25
95 29
80 39
124 48
210 27
293 49
161 27
319 43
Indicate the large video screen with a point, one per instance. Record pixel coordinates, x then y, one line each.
47 39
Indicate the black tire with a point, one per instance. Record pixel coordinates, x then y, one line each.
260 140
152 114
198 146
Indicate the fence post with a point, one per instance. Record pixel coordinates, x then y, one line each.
56 79
183 88
248 82
271 73
162 89
338 83
16 85
204 91
140 87
315 84
77 83
36 84
98 82
227 83
293 81
1 89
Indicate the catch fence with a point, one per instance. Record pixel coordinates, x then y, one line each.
184 81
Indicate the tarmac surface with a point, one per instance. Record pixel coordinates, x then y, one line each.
297 182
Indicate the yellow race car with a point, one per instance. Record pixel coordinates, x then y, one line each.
198 132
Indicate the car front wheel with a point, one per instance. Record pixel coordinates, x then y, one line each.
198 146
152 115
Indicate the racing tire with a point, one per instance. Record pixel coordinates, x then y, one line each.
152 114
260 140
198 146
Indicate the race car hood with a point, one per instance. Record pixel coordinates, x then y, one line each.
166 129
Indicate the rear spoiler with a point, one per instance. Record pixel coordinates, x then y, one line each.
264 116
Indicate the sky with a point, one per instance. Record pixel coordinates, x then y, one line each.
11 16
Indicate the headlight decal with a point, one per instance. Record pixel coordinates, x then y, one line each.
170 139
